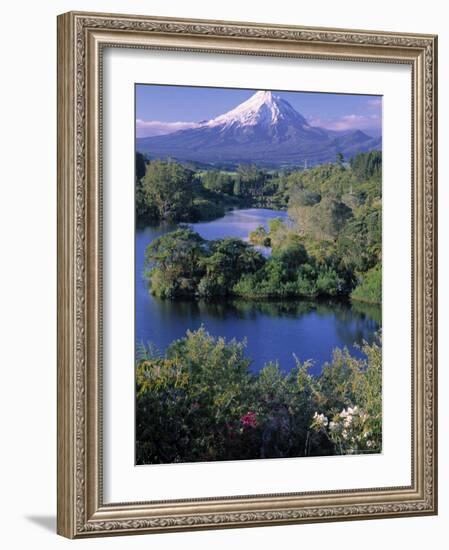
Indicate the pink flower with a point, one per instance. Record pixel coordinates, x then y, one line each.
249 420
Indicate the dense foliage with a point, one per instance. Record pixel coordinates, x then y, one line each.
337 210
169 191
182 264
141 166
370 287
331 248
200 402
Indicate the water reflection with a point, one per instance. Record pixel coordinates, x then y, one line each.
238 223
274 330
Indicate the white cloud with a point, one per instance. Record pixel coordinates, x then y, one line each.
348 122
147 128
375 102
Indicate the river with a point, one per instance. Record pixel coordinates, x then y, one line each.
273 330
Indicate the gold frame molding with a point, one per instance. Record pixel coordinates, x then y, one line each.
81 39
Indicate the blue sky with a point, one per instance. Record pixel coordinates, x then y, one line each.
164 109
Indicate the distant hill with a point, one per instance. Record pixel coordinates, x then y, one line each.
265 129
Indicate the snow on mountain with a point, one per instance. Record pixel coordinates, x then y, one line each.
262 108
264 129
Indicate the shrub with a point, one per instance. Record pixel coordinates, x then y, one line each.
370 287
260 237
200 402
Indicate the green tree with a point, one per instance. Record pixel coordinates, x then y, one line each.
168 187
145 213
229 258
323 221
252 180
359 244
367 165
173 262
217 181
237 190
141 166
303 197
291 255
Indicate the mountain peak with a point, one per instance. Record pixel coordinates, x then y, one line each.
262 108
263 96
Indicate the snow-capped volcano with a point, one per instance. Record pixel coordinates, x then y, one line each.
263 108
264 129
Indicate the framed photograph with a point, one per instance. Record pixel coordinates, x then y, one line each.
247 256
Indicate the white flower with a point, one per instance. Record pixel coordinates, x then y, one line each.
369 443
344 434
320 419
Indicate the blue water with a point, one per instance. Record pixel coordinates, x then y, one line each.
272 330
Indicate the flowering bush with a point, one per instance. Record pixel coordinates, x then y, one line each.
249 420
355 424
319 421
350 430
200 402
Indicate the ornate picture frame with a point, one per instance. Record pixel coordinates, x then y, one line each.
82 38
